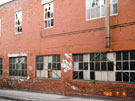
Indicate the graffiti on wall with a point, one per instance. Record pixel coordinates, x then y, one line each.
66 63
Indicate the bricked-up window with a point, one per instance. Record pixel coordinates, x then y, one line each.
48 66
18 66
18 21
96 8
48 15
91 66
0 66
125 66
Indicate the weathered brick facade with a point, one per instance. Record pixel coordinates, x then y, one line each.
71 33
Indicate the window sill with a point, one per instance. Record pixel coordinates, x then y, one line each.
18 33
101 17
49 27
48 78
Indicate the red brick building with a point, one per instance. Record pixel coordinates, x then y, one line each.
59 46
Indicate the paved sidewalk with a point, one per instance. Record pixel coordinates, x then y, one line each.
15 95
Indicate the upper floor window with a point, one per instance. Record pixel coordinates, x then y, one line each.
18 21
48 15
97 8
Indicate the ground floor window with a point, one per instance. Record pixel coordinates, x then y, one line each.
93 66
48 66
0 66
114 66
125 66
18 66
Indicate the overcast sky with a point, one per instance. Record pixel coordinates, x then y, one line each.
4 1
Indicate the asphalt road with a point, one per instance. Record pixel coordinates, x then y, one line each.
15 95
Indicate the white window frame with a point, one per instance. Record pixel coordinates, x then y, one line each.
101 6
51 18
16 26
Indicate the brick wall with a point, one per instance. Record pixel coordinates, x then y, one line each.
71 34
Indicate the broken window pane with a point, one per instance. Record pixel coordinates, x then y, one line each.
97 66
103 66
118 55
54 58
75 75
118 76
92 58
48 15
125 66
76 58
118 66
86 66
58 58
110 66
132 55
97 57
91 66
81 75
54 66
80 66
132 77
49 65
125 55
103 56
126 76
17 65
92 75
18 21
58 66
80 57
132 65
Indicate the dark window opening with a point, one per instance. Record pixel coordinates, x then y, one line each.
103 66
118 55
85 66
75 58
118 76
92 57
132 65
132 77
92 75
110 66
81 75
80 57
118 66
126 76
80 66
75 75
91 66
97 57
132 55
125 66
125 55
97 66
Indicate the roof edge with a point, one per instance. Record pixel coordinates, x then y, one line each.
6 3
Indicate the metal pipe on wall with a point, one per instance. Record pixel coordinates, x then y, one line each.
107 25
